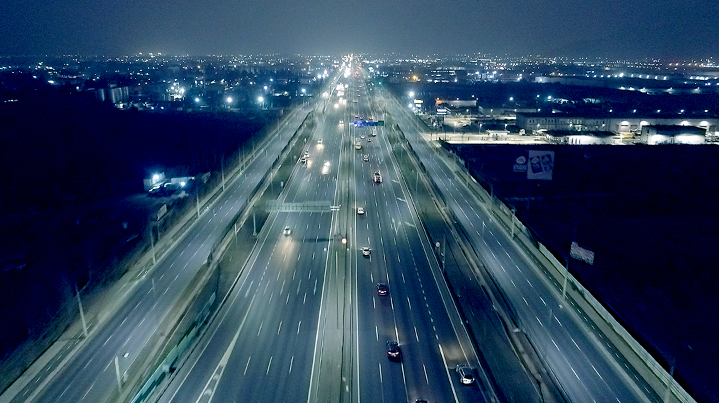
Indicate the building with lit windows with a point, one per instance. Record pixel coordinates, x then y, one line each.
675 134
627 126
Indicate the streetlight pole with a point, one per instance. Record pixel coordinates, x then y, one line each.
152 245
82 313
222 171
513 213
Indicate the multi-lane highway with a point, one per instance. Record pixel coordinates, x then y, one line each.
417 312
305 321
89 374
586 370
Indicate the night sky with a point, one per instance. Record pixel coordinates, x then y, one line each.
668 29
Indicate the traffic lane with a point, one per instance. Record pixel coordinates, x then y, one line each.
426 321
581 384
553 329
128 332
526 289
235 317
418 248
430 313
422 365
309 243
130 326
192 376
271 310
275 349
376 316
394 195
377 325
377 372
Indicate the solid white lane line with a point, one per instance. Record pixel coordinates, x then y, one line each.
449 377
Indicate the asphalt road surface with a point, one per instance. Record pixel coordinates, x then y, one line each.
586 370
305 322
89 376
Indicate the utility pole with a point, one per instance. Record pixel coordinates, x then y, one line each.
152 246
513 212
197 201
82 313
566 274
222 171
254 223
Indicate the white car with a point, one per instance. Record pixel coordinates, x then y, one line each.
365 251
360 211
465 374
287 230
319 141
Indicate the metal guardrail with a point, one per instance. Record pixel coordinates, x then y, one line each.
156 377
499 210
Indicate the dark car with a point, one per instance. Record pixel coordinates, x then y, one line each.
393 351
382 289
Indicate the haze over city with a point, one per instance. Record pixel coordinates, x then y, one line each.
667 29
353 202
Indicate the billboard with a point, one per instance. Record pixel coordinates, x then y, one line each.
579 253
540 165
